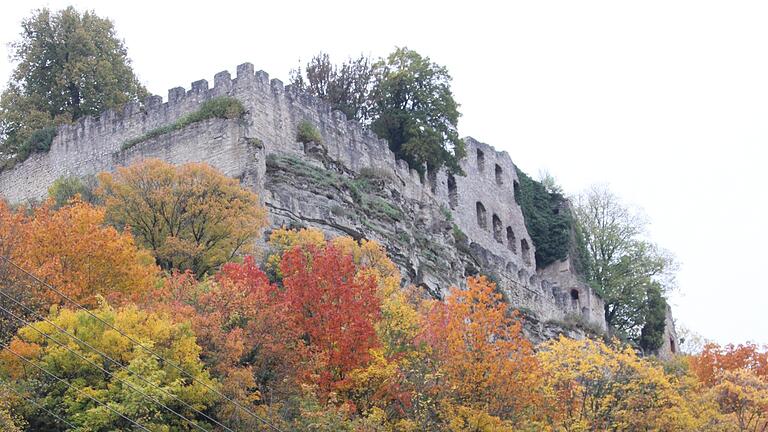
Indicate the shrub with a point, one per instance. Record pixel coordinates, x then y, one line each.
38 142
307 133
64 189
224 107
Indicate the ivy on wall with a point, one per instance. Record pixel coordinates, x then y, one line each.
548 221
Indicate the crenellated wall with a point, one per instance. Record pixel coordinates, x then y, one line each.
419 221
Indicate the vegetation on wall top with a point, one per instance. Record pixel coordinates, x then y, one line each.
224 107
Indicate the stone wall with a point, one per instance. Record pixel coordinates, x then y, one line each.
439 229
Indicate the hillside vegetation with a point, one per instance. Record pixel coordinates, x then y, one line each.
103 331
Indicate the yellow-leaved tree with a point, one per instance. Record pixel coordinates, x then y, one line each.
191 216
590 386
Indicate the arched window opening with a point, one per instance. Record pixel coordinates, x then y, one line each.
672 346
574 294
497 229
525 250
511 241
516 187
453 195
481 216
499 175
480 160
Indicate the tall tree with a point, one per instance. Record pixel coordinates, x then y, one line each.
190 217
405 98
630 273
414 110
346 87
69 64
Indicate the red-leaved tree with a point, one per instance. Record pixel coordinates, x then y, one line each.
334 307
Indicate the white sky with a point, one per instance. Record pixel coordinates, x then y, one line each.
666 101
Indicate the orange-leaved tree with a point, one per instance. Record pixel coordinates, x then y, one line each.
737 378
335 308
190 217
75 251
481 351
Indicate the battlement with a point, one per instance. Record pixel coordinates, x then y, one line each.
481 204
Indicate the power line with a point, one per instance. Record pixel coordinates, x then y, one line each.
101 353
142 346
134 388
35 403
133 422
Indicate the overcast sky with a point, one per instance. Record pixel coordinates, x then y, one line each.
665 101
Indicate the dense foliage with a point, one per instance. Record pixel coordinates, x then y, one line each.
68 65
190 217
88 373
317 335
405 98
548 221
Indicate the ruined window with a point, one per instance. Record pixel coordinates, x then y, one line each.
497 229
511 242
574 294
480 160
672 346
499 172
516 187
481 216
453 196
525 250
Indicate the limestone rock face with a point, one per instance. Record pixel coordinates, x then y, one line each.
438 229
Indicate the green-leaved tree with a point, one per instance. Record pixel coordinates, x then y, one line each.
630 273
404 98
68 65
414 110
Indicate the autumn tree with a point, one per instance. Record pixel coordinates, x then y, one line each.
629 273
487 364
190 217
715 360
84 373
69 64
72 249
591 386
245 330
736 376
335 309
